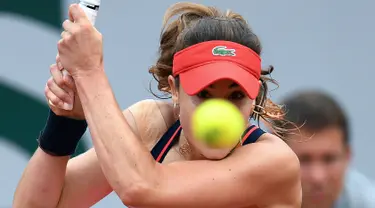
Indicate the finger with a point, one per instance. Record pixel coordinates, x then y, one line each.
58 62
65 34
69 82
58 79
70 27
71 18
50 103
53 99
65 73
61 46
76 13
59 92
70 85
57 75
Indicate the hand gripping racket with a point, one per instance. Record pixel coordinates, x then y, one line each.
91 8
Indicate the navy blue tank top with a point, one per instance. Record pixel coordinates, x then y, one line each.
166 142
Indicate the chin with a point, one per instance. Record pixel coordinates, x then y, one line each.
321 202
202 151
215 154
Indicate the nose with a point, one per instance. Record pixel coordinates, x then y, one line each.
318 174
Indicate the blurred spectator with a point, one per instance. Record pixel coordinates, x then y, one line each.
323 147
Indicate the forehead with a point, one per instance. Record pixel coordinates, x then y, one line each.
323 141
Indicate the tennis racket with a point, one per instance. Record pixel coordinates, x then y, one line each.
91 8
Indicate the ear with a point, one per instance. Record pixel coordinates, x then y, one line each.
174 89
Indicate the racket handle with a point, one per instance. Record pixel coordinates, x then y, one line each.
91 8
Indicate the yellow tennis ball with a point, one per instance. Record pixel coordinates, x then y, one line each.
218 123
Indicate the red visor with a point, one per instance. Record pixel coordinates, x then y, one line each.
202 64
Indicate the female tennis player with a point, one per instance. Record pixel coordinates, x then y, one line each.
147 154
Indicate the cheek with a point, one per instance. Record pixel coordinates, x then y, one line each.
337 175
186 112
246 108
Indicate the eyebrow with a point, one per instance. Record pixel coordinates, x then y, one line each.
230 86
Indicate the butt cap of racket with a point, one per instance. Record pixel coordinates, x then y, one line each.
92 2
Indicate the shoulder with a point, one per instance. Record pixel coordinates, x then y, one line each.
278 168
150 109
275 152
148 106
149 119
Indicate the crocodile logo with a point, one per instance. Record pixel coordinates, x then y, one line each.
223 51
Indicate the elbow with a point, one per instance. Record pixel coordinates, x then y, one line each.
137 195
142 191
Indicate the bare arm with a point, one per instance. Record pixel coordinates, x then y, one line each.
139 181
85 183
41 182
54 182
45 184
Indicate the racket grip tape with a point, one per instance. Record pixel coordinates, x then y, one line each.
91 11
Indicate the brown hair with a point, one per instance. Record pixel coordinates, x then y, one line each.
197 23
314 111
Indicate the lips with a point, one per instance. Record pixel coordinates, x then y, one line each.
317 197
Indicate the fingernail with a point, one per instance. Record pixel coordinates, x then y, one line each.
60 65
68 106
65 77
50 102
64 72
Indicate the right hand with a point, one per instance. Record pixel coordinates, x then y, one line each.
61 94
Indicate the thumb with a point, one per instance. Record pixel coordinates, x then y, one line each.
76 13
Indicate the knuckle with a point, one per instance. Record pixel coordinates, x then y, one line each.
65 97
59 65
66 81
68 39
65 22
60 44
73 32
49 83
59 82
71 6
85 27
46 90
55 100
65 40
52 67
70 83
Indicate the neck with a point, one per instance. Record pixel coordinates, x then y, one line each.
187 150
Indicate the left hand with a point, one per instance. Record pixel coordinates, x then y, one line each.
80 48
